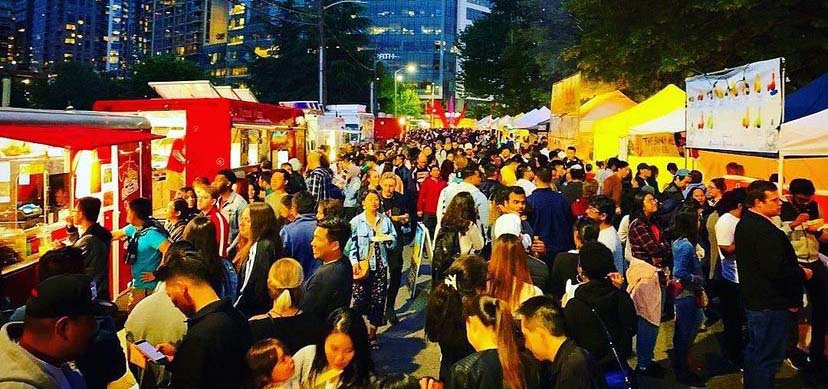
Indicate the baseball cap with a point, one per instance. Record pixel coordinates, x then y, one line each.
682 173
66 295
507 224
468 146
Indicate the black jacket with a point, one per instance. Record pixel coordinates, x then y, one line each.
212 353
253 298
564 268
574 368
482 370
769 275
95 244
616 309
329 288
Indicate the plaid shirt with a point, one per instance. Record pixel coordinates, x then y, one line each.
644 245
318 181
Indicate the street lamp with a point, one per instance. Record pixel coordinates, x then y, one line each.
321 9
411 68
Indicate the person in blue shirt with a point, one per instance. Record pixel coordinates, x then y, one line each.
150 244
687 271
297 235
550 216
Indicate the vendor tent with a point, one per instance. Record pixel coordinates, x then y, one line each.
808 100
533 118
601 106
672 122
609 131
807 136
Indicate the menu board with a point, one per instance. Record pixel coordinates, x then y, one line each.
737 109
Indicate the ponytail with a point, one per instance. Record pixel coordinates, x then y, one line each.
507 349
495 313
284 301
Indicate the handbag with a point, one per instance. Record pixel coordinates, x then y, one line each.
365 264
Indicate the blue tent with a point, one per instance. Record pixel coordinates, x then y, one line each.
808 100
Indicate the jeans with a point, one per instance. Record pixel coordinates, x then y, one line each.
688 319
395 265
817 290
733 319
767 333
645 341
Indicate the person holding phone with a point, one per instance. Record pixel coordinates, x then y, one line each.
211 355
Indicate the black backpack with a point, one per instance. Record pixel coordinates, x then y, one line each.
446 248
132 243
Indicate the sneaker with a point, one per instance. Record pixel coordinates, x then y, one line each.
654 371
800 362
691 379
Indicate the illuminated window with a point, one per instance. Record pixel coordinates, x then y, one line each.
69 41
70 26
239 71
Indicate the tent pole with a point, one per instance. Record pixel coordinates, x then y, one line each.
780 172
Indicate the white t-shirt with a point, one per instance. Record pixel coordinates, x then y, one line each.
725 231
528 186
609 237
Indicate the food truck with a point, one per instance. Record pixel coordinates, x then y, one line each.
49 159
206 128
359 124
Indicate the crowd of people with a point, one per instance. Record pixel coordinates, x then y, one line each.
546 271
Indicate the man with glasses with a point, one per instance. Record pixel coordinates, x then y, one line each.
771 282
802 220
602 210
94 241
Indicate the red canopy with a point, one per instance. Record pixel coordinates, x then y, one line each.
74 137
77 130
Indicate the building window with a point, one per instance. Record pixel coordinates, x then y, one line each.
238 71
70 26
69 41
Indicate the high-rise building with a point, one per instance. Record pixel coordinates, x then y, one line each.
6 33
184 27
424 33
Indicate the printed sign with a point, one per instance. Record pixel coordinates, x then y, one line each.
422 249
737 109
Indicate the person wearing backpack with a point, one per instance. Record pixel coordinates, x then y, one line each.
460 234
146 244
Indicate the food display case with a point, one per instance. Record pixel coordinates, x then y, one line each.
208 128
48 159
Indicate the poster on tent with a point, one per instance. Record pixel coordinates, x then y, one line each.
737 109
661 144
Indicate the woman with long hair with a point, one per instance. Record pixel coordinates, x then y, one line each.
715 190
270 366
370 181
509 278
650 252
372 238
285 321
176 219
446 171
189 195
341 359
444 324
687 273
201 232
497 361
460 220
259 246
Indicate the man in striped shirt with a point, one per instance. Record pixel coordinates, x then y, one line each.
207 199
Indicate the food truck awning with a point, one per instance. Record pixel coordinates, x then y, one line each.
78 130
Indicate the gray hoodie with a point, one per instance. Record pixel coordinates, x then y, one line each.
20 369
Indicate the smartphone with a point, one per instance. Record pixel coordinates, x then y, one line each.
150 352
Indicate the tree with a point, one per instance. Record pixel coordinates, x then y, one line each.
158 68
292 73
74 83
407 100
648 44
513 54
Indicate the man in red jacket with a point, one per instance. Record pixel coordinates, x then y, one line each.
427 199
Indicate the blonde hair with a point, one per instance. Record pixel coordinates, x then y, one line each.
284 283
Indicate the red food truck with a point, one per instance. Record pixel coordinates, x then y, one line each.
48 159
208 128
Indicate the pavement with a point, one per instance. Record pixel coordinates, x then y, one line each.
404 349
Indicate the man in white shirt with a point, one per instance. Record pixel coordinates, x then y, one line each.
602 210
525 176
471 180
607 171
733 312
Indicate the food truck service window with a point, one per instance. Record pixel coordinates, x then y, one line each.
168 156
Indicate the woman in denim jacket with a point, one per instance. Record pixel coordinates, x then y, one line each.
370 292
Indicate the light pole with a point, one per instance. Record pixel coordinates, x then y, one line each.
411 68
321 8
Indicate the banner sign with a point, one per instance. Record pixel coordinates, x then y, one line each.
422 249
737 109
659 144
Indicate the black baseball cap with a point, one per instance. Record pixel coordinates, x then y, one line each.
66 295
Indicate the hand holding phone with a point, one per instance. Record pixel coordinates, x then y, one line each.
150 352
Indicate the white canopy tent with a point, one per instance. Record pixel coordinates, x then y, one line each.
672 122
533 118
805 137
